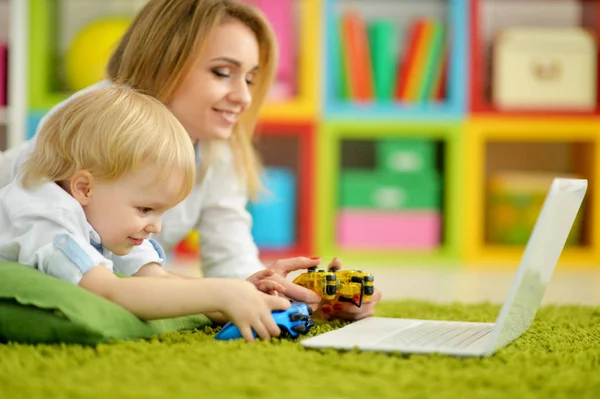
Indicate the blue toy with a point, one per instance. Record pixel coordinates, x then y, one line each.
294 321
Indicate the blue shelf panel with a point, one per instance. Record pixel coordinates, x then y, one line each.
392 111
454 106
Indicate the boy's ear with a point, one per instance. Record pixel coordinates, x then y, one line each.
81 186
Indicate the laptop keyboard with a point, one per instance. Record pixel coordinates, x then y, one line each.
448 335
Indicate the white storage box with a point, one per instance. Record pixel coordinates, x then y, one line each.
544 68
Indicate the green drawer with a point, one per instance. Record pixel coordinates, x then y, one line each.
384 190
406 155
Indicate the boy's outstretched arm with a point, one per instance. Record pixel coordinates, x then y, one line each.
155 298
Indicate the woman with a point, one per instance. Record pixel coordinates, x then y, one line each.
211 62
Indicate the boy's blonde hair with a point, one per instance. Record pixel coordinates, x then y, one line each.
110 132
159 49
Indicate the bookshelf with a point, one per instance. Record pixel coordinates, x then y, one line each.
311 131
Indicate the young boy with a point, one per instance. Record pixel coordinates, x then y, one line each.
105 169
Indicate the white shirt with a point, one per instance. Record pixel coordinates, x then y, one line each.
216 208
46 228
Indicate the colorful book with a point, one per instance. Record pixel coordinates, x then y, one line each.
406 62
435 50
417 75
343 80
357 57
383 45
438 90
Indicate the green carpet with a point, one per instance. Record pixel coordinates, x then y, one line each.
558 357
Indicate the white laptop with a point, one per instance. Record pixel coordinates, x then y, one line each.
458 338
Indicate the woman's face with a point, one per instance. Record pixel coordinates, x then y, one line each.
218 89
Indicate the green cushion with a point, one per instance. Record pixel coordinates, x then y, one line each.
37 308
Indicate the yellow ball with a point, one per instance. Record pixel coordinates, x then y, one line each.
88 54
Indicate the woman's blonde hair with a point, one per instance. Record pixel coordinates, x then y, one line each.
159 49
110 132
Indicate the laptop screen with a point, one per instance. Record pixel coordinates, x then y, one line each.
542 252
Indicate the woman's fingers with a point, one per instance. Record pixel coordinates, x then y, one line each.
298 293
348 311
336 264
285 266
352 312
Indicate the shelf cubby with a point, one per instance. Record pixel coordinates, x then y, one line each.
454 18
336 140
532 148
292 146
490 17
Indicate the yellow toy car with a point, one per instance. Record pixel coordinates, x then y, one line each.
335 285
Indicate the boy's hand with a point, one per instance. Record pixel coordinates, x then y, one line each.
262 283
250 309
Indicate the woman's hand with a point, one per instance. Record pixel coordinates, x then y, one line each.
344 310
348 311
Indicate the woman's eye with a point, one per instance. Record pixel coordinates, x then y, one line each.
250 78
220 74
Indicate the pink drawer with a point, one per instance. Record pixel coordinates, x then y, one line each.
3 73
388 230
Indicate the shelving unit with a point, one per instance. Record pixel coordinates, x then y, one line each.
310 131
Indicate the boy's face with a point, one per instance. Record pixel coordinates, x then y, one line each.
126 211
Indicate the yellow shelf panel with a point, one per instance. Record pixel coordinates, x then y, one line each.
509 256
531 129
307 103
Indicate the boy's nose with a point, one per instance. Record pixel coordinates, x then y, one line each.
154 227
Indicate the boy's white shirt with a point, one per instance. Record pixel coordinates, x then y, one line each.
46 228
216 208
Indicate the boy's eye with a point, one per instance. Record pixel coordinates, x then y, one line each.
144 210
